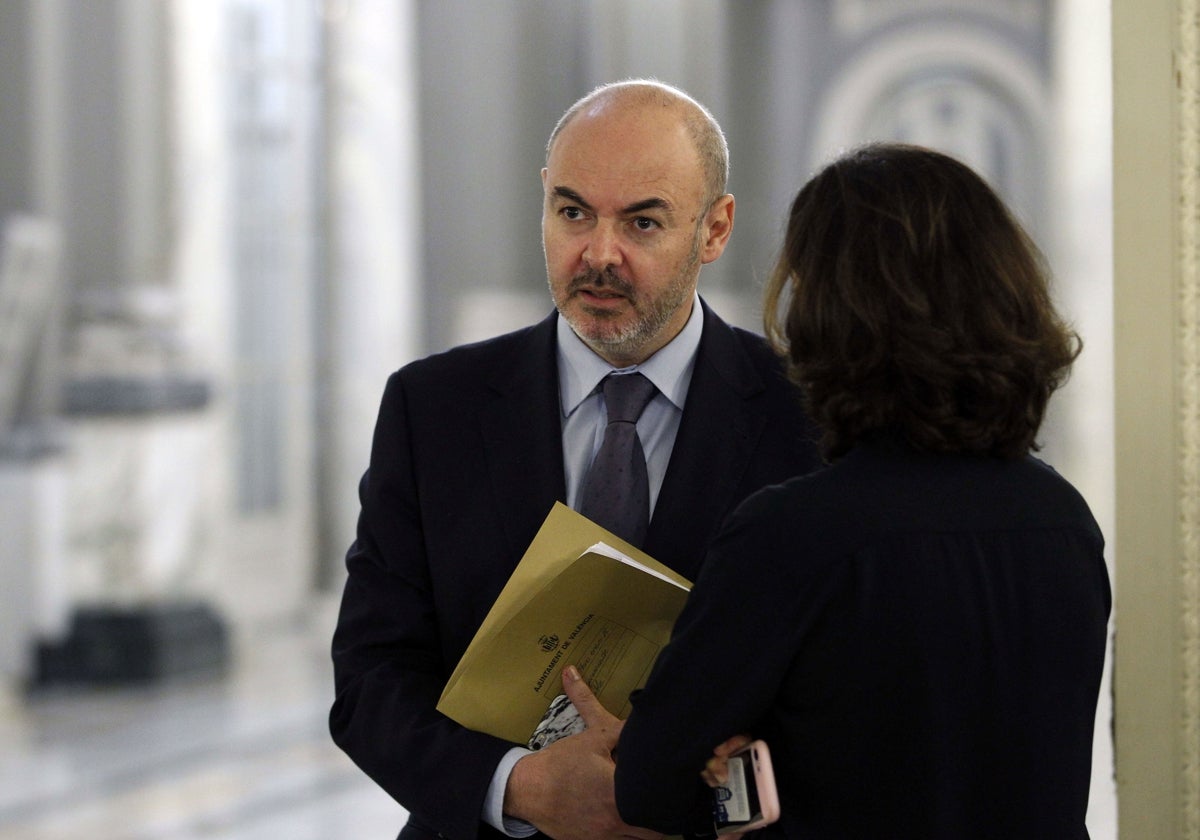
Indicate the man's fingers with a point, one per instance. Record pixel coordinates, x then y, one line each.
589 707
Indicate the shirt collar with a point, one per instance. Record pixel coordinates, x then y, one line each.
580 369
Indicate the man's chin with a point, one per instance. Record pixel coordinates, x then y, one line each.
598 324
611 340
601 335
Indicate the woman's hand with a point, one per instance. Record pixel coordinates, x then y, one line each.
716 771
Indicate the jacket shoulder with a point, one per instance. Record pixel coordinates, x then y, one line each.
758 349
481 360
743 358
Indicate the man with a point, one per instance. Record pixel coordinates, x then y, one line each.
473 447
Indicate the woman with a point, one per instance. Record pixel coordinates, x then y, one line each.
918 630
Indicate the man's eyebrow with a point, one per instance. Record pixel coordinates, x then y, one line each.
629 210
646 204
572 196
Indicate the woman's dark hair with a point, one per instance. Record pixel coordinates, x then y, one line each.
908 300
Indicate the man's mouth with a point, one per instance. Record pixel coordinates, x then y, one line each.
600 293
599 287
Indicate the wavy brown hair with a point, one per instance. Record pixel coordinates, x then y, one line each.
908 300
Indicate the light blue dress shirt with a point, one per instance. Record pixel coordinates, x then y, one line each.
584 417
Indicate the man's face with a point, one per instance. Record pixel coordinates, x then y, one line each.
625 228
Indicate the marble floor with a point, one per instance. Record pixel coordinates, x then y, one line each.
245 756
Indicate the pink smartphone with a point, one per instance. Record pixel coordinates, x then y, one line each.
748 799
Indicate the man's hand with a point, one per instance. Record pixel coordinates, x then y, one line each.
566 788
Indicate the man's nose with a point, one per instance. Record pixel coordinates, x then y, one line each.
603 248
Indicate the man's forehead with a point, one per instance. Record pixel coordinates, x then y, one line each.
624 168
639 127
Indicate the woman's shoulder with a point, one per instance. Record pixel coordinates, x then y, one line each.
869 493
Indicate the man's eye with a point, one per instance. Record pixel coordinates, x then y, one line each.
644 224
571 213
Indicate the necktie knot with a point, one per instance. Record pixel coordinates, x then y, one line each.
626 396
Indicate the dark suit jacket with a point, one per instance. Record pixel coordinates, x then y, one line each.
465 465
918 638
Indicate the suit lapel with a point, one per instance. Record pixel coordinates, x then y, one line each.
522 435
716 438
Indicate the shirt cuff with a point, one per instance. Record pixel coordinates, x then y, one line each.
493 806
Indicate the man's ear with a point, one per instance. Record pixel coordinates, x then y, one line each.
718 225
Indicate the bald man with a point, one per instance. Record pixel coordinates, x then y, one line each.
473 446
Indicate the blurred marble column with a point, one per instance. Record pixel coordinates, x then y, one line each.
135 400
33 464
33 591
370 303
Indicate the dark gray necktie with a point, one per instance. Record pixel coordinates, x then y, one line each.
616 494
